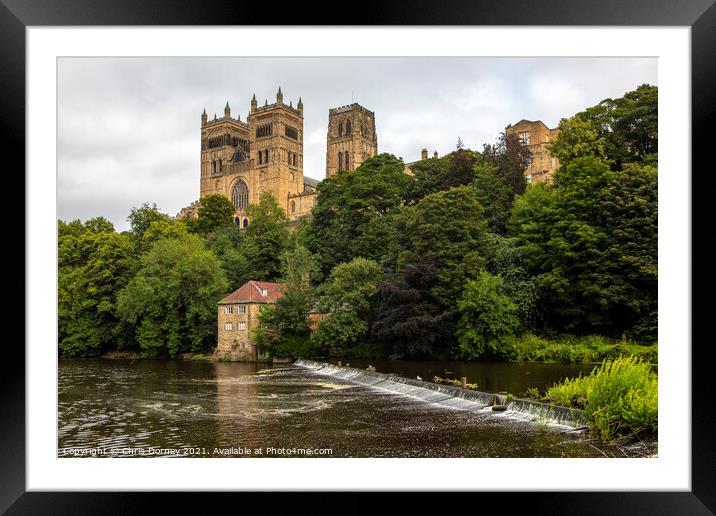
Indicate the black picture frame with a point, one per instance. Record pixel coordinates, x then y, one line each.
16 15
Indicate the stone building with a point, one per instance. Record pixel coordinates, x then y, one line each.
241 160
536 136
238 316
351 138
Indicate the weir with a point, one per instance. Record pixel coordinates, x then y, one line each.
462 399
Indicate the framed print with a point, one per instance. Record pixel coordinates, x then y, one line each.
430 249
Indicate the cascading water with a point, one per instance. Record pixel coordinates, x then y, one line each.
453 397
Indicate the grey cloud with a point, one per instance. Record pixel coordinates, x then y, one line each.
129 127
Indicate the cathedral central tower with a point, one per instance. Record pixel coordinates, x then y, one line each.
351 138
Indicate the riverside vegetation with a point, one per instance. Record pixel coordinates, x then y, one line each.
462 260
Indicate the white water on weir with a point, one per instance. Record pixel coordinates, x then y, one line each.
456 398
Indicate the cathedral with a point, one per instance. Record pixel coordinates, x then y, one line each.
243 159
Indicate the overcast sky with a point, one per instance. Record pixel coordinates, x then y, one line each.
129 128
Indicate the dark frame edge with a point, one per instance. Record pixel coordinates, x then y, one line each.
701 500
12 380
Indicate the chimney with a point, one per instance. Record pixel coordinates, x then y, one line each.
435 154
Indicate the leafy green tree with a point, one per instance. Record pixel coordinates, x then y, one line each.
215 211
299 269
488 319
511 158
93 266
347 296
350 202
507 259
160 229
448 229
140 219
629 126
577 138
266 238
172 299
224 242
495 195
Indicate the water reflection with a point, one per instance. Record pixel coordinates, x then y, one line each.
215 407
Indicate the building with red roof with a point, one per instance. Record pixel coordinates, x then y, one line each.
238 316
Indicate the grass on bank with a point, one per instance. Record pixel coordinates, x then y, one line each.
571 349
620 397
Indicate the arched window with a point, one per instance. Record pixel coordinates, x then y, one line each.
348 128
246 223
289 157
238 221
340 160
295 160
347 167
261 154
240 195
293 206
213 168
266 156
340 128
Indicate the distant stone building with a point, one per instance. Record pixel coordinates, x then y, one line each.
536 136
351 138
423 156
238 316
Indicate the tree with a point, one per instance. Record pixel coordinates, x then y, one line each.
265 239
172 299
347 296
224 242
409 320
215 211
577 138
348 203
140 219
299 269
629 126
448 229
488 318
94 264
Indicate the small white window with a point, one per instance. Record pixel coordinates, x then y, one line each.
229 310
242 326
228 326
529 178
525 138
242 309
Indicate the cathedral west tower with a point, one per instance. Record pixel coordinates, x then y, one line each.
351 138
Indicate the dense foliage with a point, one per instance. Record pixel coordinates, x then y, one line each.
620 398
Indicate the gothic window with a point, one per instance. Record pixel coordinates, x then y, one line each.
266 156
240 195
348 128
246 223
340 128
260 157
295 160
291 132
347 167
340 160
213 167
525 138
293 206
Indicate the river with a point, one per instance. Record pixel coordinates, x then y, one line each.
216 409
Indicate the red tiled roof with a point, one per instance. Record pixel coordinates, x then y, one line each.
255 292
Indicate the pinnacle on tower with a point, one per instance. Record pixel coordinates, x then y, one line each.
253 103
203 116
265 102
300 105
227 110
279 96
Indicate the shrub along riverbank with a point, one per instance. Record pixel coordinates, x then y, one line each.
620 398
